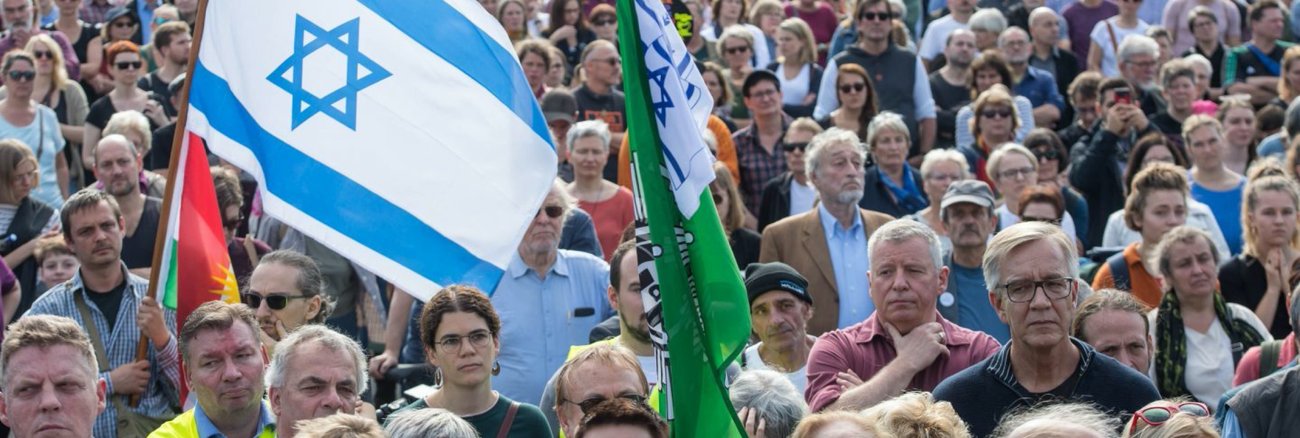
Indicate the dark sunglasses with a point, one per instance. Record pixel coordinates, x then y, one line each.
1157 415
231 223
882 16
22 76
124 24
791 147
131 65
1049 154
43 54
591 403
852 88
603 22
735 50
996 114
552 211
274 301
717 199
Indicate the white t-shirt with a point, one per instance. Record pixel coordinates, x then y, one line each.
1101 35
801 197
1208 372
936 35
794 90
753 362
650 368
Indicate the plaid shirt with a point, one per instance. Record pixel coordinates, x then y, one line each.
119 345
757 166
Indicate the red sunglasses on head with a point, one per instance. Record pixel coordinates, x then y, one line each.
1158 415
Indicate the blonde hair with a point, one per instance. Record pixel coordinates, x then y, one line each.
802 33
340 425
1250 200
815 422
804 124
1284 90
936 156
14 153
1179 425
735 31
59 74
994 164
130 122
608 354
722 181
1198 121
916 414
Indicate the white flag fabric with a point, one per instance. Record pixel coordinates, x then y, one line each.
401 133
681 102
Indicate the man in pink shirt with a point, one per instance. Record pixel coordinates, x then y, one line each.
905 345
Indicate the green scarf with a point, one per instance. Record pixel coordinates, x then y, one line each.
1171 342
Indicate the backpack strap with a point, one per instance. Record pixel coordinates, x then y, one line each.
1119 271
1114 45
1268 355
510 420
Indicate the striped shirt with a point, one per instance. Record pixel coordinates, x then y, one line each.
119 345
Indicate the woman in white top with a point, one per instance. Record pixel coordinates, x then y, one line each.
35 125
1199 336
797 67
1013 168
1108 34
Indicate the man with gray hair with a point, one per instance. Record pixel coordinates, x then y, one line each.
766 400
1035 84
1138 59
48 379
828 245
1042 361
428 422
906 345
20 23
117 164
315 373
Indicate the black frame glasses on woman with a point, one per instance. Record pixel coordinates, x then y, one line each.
275 301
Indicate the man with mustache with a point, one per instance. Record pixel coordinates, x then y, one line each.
828 244
317 372
906 345
224 368
967 213
779 308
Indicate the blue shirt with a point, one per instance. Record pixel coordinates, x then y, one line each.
542 317
208 430
1039 87
1228 201
973 308
848 248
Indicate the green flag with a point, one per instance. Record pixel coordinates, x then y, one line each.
696 305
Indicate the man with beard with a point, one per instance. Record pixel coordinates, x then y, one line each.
949 84
1138 63
117 166
315 373
1035 84
286 291
172 40
111 304
224 367
779 306
827 245
548 300
967 214
906 345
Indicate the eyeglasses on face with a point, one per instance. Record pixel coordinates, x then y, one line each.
552 211
852 88
21 76
42 54
800 146
128 65
736 50
876 16
1023 291
452 343
591 403
276 301
996 113
1022 172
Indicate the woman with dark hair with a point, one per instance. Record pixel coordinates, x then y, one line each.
622 418
745 243
1052 161
461 334
1199 335
997 123
1152 148
990 69
568 31
857 97
29 219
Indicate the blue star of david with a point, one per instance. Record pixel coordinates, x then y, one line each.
343 39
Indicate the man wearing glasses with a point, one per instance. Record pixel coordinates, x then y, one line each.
790 193
286 291
598 373
906 345
1031 270
20 22
598 100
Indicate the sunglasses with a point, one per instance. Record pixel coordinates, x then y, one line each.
735 50
159 21
591 403
1049 154
1157 415
791 147
43 54
22 76
882 16
996 114
276 301
129 65
124 24
852 88
231 223
604 22
552 211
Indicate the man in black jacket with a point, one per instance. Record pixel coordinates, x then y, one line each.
790 192
1099 159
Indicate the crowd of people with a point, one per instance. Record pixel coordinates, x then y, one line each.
953 218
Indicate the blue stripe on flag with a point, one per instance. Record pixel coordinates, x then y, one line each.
465 46
336 200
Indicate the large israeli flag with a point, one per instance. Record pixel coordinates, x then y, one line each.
401 133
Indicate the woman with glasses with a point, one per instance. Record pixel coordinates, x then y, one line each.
1156 204
767 16
939 169
1263 275
1176 418
604 21
735 46
1013 169
1199 335
892 186
120 24
286 291
996 118
127 68
1239 127
1107 35
568 31
461 334
53 89
797 67
36 125
609 205
26 219
988 71
1052 161
745 243
735 13
857 97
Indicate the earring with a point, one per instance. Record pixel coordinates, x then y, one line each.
437 378
496 368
